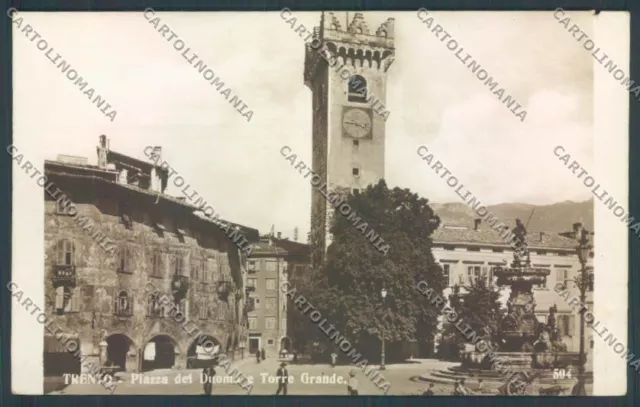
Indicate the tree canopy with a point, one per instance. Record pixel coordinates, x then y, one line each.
347 288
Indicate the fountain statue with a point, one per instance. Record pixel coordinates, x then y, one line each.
520 329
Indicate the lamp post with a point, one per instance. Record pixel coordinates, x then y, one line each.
583 250
383 294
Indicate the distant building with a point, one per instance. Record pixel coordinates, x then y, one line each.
465 253
108 267
272 261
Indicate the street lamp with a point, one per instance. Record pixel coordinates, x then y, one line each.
383 293
583 250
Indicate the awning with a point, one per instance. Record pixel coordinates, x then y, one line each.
62 345
204 354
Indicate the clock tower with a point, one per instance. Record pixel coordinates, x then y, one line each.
346 70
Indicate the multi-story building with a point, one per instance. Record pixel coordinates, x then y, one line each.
347 75
272 261
466 253
108 296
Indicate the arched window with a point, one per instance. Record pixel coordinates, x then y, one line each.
123 304
65 253
357 89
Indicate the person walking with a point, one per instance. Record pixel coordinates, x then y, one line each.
283 379
258 355
334 358
207 376
263 354
352 384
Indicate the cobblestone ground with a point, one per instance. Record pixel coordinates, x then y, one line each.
404 380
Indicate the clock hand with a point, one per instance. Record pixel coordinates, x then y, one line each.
364 126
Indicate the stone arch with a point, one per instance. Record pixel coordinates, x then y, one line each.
119 350
160 351
204 347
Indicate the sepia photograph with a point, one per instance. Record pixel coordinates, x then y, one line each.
321 203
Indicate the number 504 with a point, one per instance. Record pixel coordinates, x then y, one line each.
561 374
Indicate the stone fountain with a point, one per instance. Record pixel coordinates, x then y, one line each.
520 329
521 339
522 343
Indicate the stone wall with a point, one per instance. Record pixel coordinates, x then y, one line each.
98 281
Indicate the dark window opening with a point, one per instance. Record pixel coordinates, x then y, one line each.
355 171
356 143
125 214
357 89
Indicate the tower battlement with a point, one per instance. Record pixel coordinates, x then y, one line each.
354 45
358 31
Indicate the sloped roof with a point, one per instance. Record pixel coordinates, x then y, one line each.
488 236
250 233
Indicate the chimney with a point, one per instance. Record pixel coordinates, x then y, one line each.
279 235
155 158
577 230
476 223
102 152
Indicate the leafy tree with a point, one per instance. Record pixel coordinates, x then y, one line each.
479 308
348 289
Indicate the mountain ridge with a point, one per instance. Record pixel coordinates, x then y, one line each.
556 217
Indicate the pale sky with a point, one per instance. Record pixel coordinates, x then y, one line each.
433 98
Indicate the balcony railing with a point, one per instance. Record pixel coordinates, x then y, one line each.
64 275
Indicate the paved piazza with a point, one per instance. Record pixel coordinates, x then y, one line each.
404 379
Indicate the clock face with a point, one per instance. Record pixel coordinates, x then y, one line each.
357 123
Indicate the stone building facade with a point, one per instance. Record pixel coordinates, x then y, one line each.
107 267
347 75
466 252
272 261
